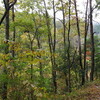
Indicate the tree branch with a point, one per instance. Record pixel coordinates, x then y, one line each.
7 9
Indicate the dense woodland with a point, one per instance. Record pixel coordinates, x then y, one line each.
44 57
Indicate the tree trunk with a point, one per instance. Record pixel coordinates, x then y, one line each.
51 47
40 64
79 41
64 44
14 31
92 43
68 51
85 39
4 92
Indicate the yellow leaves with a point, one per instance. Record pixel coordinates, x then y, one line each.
23 55
55 55
31 57
14 46
34 53
39 91
36 60
39 53
5 59
4 56
1 54
1 62
24 36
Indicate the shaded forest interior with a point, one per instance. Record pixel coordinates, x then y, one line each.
43 56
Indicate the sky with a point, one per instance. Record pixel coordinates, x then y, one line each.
81 8
0 2
96 19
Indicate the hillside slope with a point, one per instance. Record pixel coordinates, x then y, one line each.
90 91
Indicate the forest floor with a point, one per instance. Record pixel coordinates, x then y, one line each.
90 91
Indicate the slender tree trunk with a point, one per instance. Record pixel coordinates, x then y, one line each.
51 47
64 26
79 41
40 64
13 50
14 30
32 96
4 92
32 91
92 43
64 43
7 23
54 41
85 39
54 20
39 45
68 51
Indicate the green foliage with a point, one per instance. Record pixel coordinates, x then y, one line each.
98 3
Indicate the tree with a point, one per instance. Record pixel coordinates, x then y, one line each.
79 41
4 91
68 51
92 42
51 47
85 38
